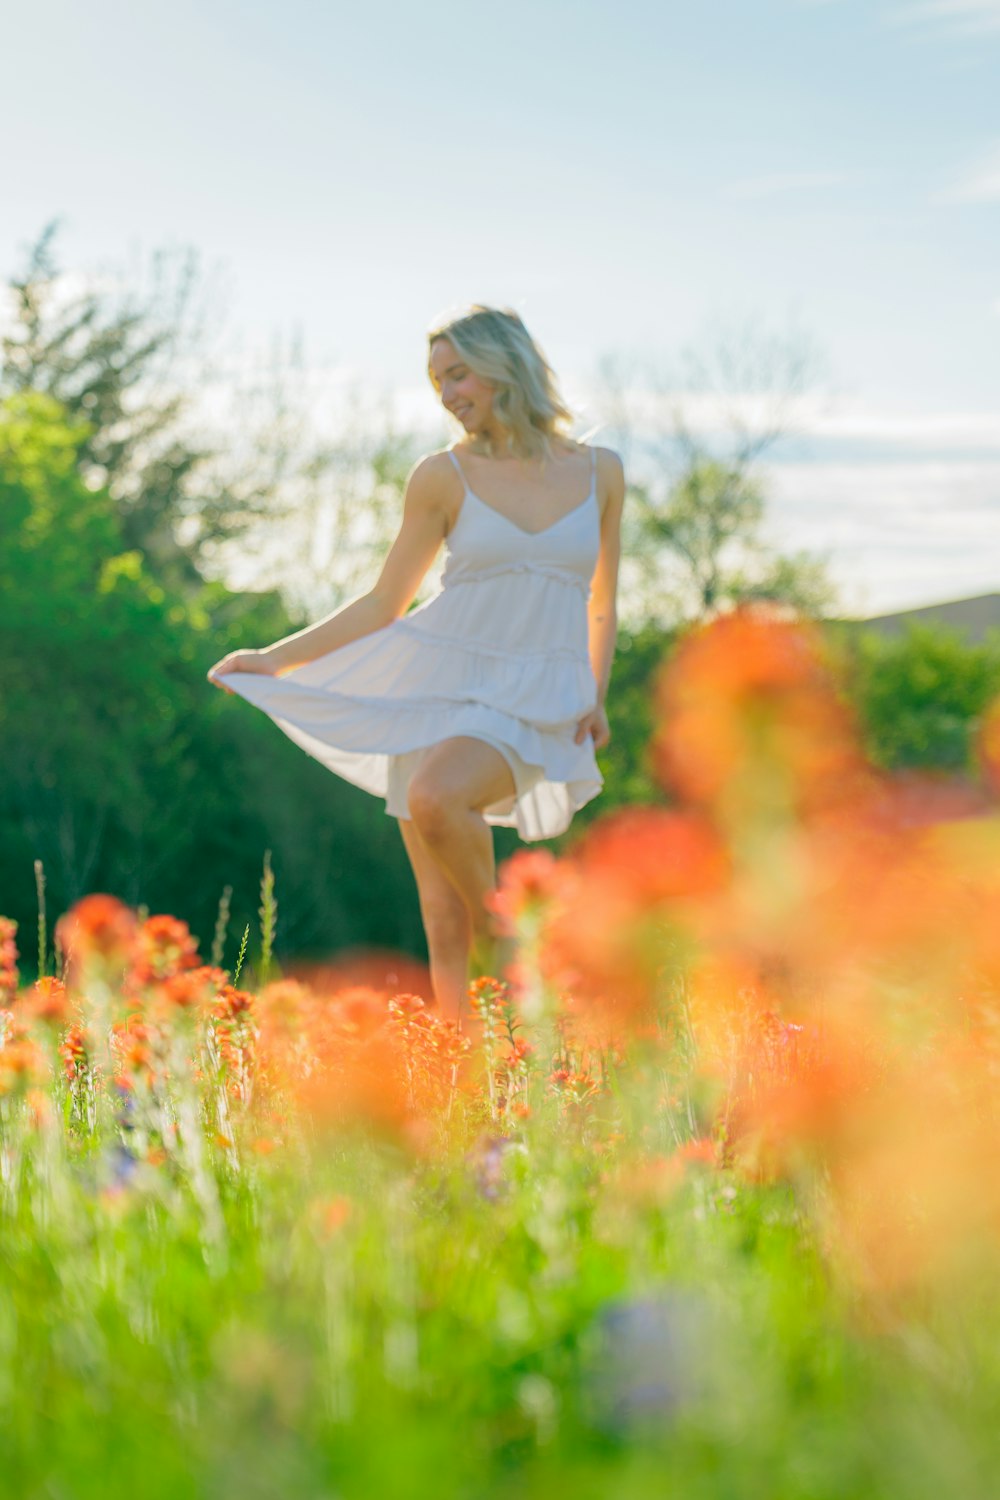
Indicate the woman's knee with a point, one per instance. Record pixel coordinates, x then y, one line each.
432 807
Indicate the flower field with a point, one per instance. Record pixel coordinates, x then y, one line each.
703 1200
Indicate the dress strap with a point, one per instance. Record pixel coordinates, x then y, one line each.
593 466
458 466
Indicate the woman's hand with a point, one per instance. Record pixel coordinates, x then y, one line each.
595 723
241 661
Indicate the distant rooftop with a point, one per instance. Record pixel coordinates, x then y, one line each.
974 617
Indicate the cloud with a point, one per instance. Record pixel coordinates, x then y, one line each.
957 432
965 17
896 535
979 185
781 182
844 423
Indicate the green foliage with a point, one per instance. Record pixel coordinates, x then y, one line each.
918 697
107 357
124 769
625 762
919 694
701 548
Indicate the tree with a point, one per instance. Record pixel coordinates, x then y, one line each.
212 458
90 695
920 694
123 769
694 535
130 364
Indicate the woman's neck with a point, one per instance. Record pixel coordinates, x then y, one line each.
486 446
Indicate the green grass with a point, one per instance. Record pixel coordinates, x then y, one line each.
444 1343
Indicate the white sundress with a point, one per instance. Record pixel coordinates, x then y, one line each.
500 653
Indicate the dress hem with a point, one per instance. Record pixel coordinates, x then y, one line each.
546 810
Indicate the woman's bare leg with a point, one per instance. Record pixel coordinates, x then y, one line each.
447 924
453 781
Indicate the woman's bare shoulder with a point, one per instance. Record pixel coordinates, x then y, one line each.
610 469
431 471
432 463
433 485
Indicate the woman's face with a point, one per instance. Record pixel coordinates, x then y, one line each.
462 393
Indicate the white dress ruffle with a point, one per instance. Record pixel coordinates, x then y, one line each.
500 653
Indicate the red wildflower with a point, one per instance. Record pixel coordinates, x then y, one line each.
231 1003
407 1005
22 1065
328 1215
749 711
653 854
191 987
163 948
529 882
8 959
130 1048
359 1011
48 1001
700 1149
75 1052
96 935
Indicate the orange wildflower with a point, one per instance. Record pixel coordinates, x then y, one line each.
191 988
8 959
75 1052
749 711
163 949
48 1001
654 854
96 935
329 1215
22 1065
231 1003
529 881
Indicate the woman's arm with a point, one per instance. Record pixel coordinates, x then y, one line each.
350 623
602 616
423 527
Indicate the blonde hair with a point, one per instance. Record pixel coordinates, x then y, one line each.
498 348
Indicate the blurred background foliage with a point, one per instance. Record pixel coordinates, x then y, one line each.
126 772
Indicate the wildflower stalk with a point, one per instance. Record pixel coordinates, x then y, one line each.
242 952
268 917
42 936
191 1144
221 923
486 997
100 1004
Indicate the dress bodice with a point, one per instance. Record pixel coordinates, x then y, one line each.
484 544
506 661
518 600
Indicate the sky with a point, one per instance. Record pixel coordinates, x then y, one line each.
628 176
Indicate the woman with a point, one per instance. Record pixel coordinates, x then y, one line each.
485 704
